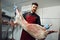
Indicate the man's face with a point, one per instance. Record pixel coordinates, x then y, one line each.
34 8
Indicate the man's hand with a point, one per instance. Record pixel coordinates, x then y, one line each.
47 26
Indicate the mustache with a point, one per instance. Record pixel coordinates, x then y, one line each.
34 10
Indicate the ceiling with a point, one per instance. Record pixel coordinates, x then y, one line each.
9 4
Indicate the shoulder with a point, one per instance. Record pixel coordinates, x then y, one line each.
37 15
25 13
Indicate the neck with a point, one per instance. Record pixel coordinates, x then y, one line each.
33 12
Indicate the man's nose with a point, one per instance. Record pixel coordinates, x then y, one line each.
34 8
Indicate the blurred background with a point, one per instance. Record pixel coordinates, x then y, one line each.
49 12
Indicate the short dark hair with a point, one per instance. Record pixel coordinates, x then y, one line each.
35 4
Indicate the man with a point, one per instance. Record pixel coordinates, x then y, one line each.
30 17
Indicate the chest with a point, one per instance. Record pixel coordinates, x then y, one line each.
31 18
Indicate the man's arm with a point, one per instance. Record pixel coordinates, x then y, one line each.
38 21
24 15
